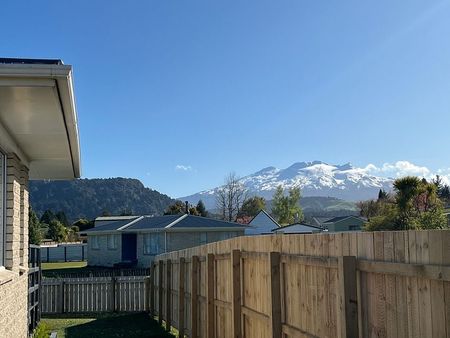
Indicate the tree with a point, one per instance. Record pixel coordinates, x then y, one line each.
382 195
415 205
34 228
57 231
176 208
61 216
286 209
201 209
230 197
252 206
83 224
47 217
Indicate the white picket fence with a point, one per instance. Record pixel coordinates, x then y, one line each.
95 294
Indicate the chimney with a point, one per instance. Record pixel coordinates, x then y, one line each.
187 207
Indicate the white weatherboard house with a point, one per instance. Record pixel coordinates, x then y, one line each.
38 140
261 224
137 240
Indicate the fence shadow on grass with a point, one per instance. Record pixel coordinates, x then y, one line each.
127 325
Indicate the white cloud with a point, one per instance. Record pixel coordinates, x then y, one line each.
182 167
405 168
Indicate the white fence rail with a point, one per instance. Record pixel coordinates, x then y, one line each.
95 294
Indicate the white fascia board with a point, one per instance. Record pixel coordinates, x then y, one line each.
176 221
123 227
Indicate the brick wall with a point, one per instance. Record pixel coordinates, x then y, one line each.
14 284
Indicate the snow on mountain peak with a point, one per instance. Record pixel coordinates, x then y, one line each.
315 178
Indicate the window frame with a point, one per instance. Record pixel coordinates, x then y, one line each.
96 241
114 242
153 238
2 207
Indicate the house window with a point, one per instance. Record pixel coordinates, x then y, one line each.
203 238
2 206
112 242
151 244
95 242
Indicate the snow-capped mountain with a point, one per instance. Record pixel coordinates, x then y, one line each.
314 178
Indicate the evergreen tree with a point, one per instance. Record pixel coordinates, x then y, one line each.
57 231
47 217
34 228
201 209
252 206
382 195
61 216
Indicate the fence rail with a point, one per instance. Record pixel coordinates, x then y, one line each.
383 284
95 294
96 272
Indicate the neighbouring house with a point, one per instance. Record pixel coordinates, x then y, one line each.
318 221
136 241
297 228
344 223
261 224
38 140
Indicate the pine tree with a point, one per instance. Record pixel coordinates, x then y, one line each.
201 209
34 228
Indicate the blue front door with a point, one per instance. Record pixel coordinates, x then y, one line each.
129 247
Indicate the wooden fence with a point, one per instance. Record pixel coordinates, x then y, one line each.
381 284
95 294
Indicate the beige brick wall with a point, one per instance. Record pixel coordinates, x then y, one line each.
13 290
13 308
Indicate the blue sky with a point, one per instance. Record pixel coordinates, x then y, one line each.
179 93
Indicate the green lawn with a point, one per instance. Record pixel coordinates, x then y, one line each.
63 265
105 325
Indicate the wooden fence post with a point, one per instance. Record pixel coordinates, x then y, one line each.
348 296
181 277
236 292
62 296
160 291
152 289
147 290
168 294
113 293
210 275
275 290
194 296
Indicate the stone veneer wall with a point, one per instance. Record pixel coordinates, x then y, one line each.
14 281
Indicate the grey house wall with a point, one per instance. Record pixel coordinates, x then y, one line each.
104 256
175 241
348 224
261 224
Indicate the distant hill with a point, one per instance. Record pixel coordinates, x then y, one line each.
89 198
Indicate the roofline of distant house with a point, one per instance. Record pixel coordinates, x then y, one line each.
291 225
267 214
151 230
346 217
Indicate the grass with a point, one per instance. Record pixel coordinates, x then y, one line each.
105 325
63 265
